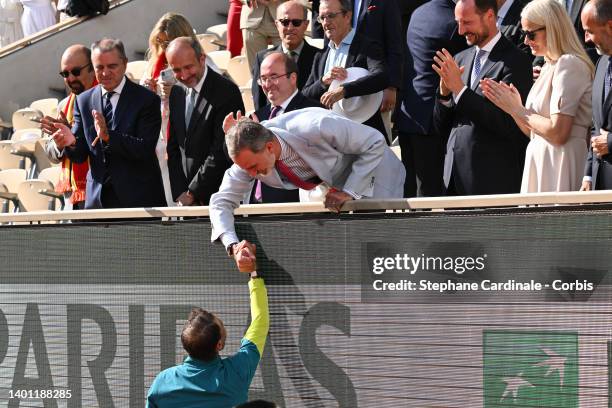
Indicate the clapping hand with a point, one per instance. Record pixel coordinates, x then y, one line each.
504 96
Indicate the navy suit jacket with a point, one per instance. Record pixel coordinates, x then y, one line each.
202 143
128 160
277 195
380 21
602 119
304 64
362 53
431 28
488 148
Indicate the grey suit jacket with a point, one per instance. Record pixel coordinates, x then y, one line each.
346 155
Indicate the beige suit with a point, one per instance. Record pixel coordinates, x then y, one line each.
258 27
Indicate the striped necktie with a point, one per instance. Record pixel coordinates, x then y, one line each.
608 80
107 109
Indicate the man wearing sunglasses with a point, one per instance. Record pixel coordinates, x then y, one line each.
291 23
79 76
597 23
257 25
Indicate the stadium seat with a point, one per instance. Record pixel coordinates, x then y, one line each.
220 58
52 174
247 99
30 199
219 30
7 159
208 42
47 106
136 70
26 134
9 185
238 70
26 118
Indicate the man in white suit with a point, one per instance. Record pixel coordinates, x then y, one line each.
302 149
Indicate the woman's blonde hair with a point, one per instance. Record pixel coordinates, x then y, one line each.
561 37
174 25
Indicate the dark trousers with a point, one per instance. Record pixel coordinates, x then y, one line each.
423 158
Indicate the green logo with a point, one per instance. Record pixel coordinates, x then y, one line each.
530 369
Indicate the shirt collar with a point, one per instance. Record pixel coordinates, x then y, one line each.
298 49
288 101
489 46
200 363
503 10
347 40
198 87
118 89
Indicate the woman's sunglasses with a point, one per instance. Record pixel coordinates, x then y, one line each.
530 35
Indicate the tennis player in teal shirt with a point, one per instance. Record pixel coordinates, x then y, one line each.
204 379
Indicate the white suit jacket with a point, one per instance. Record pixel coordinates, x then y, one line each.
346 155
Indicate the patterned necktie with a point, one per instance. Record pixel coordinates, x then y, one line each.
608 80
293 55
107 109
274 111
292 177
477 66
190 106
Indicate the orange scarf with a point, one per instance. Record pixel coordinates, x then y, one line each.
74 175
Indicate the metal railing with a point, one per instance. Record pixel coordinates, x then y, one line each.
396 205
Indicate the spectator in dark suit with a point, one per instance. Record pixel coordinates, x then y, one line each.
116 127
196 159
380 21
279 81
432 28
346 49
288 15
486 149
597 23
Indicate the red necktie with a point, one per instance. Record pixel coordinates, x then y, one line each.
293 178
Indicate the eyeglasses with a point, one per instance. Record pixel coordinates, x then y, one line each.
530 35
329 16
272 79
74 71
296 22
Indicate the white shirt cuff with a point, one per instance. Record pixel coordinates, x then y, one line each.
587 178
228 238
458 96
352 194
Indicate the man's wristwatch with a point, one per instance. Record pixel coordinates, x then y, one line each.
445 97
230 249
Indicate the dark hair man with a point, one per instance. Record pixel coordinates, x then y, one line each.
204 379
116 127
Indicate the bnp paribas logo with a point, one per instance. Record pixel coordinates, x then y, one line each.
530 369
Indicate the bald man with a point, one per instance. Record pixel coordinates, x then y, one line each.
196 158
79 76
